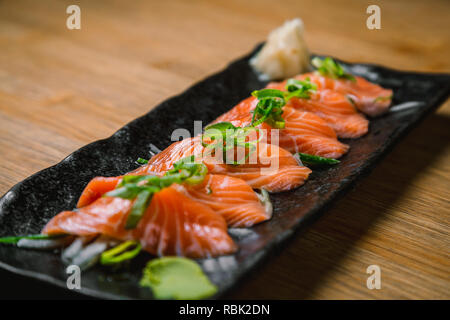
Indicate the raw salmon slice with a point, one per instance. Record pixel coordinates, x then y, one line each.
230 197
334 108
163 161
173 224
369 98
96 188
242 109
304 131
270 167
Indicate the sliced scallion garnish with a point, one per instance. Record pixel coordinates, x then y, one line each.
15 239
269 109
124 251
309 159
225 136
330 68
381 99
140 204
300 88
141 161
271 101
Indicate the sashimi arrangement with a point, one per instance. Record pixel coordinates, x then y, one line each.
182 201
179 204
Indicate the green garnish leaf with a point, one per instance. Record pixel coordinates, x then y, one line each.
123 252
312 160
14 240
141 161
305 86
271 102
139 207
186 170
268 94
128 192
225 136
269 108
177 278
221 126
184 163
330 68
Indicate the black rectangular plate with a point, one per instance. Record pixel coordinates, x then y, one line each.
31 203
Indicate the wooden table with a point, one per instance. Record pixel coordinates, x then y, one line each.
61 89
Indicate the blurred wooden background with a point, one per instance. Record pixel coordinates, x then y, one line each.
61 89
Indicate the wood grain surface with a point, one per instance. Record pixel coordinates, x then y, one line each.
61 89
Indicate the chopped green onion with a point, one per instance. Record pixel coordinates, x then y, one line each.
271 102
138 209
330 68
300 88
120 253
141 161
14 240
226 136
126 192
221 126
312 160
269 109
